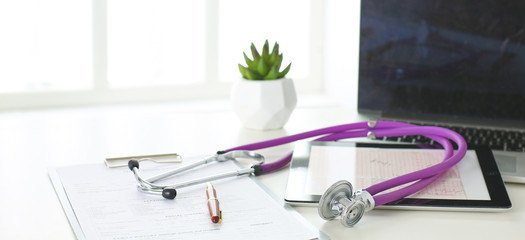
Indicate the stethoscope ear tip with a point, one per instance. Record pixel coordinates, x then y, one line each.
169 193
133 163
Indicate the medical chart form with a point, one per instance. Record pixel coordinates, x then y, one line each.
108 205
364 167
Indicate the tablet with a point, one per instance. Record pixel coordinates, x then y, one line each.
474 184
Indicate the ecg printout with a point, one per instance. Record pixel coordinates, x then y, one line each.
364 167
108 205
375 166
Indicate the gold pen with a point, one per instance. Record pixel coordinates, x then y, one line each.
213 204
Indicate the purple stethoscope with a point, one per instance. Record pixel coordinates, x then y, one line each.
339 199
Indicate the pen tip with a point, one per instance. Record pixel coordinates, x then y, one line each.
215 219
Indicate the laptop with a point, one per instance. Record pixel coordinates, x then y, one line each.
457 64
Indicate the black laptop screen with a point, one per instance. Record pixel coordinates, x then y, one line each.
455 58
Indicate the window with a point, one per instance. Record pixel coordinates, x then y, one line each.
40 50
61 52
158 42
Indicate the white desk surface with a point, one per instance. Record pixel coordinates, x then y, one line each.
31 141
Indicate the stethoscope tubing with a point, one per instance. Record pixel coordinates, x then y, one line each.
403 192
420 178
423 177
270 167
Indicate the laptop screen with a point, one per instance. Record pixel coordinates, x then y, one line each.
443 57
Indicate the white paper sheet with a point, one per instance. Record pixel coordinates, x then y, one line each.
108 205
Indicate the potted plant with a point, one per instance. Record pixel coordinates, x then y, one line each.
264 98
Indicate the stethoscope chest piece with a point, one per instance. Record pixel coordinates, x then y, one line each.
339 200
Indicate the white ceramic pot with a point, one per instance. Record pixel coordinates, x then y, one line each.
264 105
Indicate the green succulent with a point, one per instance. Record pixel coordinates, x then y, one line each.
264 66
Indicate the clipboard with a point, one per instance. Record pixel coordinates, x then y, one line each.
142 205
66 205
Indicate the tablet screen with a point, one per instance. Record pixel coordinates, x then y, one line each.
366 166
474 183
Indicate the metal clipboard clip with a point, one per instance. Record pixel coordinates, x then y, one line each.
116 162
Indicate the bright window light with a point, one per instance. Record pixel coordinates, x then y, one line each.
72 53
242 22
45 49
155 42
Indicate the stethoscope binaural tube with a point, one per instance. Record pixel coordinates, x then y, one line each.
170 191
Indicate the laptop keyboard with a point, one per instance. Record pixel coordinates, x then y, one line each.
503 140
